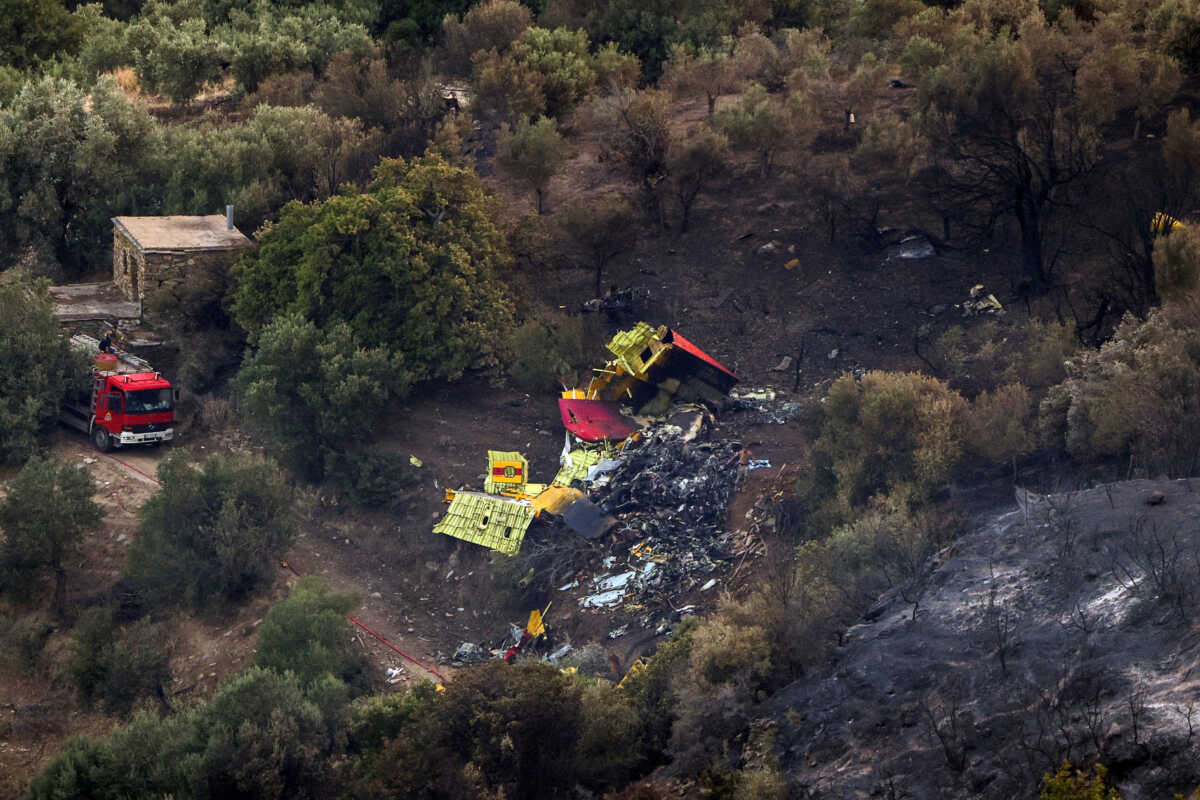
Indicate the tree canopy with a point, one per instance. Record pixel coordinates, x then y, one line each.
413 264
46 510
307 633
213 532
37 368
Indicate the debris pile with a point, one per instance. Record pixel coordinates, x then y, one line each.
979 303
669 495
651 501
765 406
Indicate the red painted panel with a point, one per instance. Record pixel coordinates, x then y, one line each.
683 344
593 420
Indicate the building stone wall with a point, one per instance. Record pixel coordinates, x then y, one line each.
137 274
129 264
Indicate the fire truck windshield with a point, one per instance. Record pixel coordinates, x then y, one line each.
147 401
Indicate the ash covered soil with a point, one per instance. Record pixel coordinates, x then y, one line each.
1062 630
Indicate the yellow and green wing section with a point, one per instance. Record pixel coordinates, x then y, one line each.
488 520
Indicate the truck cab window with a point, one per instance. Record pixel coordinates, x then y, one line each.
147 401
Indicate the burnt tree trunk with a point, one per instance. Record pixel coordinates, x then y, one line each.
1028 213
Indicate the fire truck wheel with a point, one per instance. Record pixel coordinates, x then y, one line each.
100 439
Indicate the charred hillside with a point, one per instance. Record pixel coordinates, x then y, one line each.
1062 630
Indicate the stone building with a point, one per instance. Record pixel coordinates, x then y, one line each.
152 252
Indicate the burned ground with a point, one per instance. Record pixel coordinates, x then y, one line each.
1061 630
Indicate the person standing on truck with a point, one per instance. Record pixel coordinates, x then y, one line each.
106 344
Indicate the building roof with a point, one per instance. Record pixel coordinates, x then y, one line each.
180 234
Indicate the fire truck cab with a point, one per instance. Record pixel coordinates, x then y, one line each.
128 402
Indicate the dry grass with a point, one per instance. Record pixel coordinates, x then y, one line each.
161 106
215 414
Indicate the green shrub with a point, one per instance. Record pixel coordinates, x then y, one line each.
894 433
22 640
118 667
1137 398
999 425
318 393
968 356
493 24
258 736
546 349
1069 784
37 367
141 759
307 633
652 690
1042 362
47 509
496 729
371 480
1176 260
213 532
716 695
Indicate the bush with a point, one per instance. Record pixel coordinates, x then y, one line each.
1137 398
1176 258
141 759
493 24
653 690
369 479
318 394
968 356
37 368
117 667
894 433
22 640
727 667
258 736
518 731
546 350
1068 784
307 633
547 72
999 426
213 532
46 511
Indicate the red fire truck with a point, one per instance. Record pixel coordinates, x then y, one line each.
128 403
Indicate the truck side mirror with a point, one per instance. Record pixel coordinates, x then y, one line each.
174 394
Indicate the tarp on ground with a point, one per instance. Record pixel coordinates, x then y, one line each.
487 520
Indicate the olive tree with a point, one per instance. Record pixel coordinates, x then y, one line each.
532 152
47 509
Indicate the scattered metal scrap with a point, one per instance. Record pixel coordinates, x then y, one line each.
663 489
616 300
670 497
980 303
